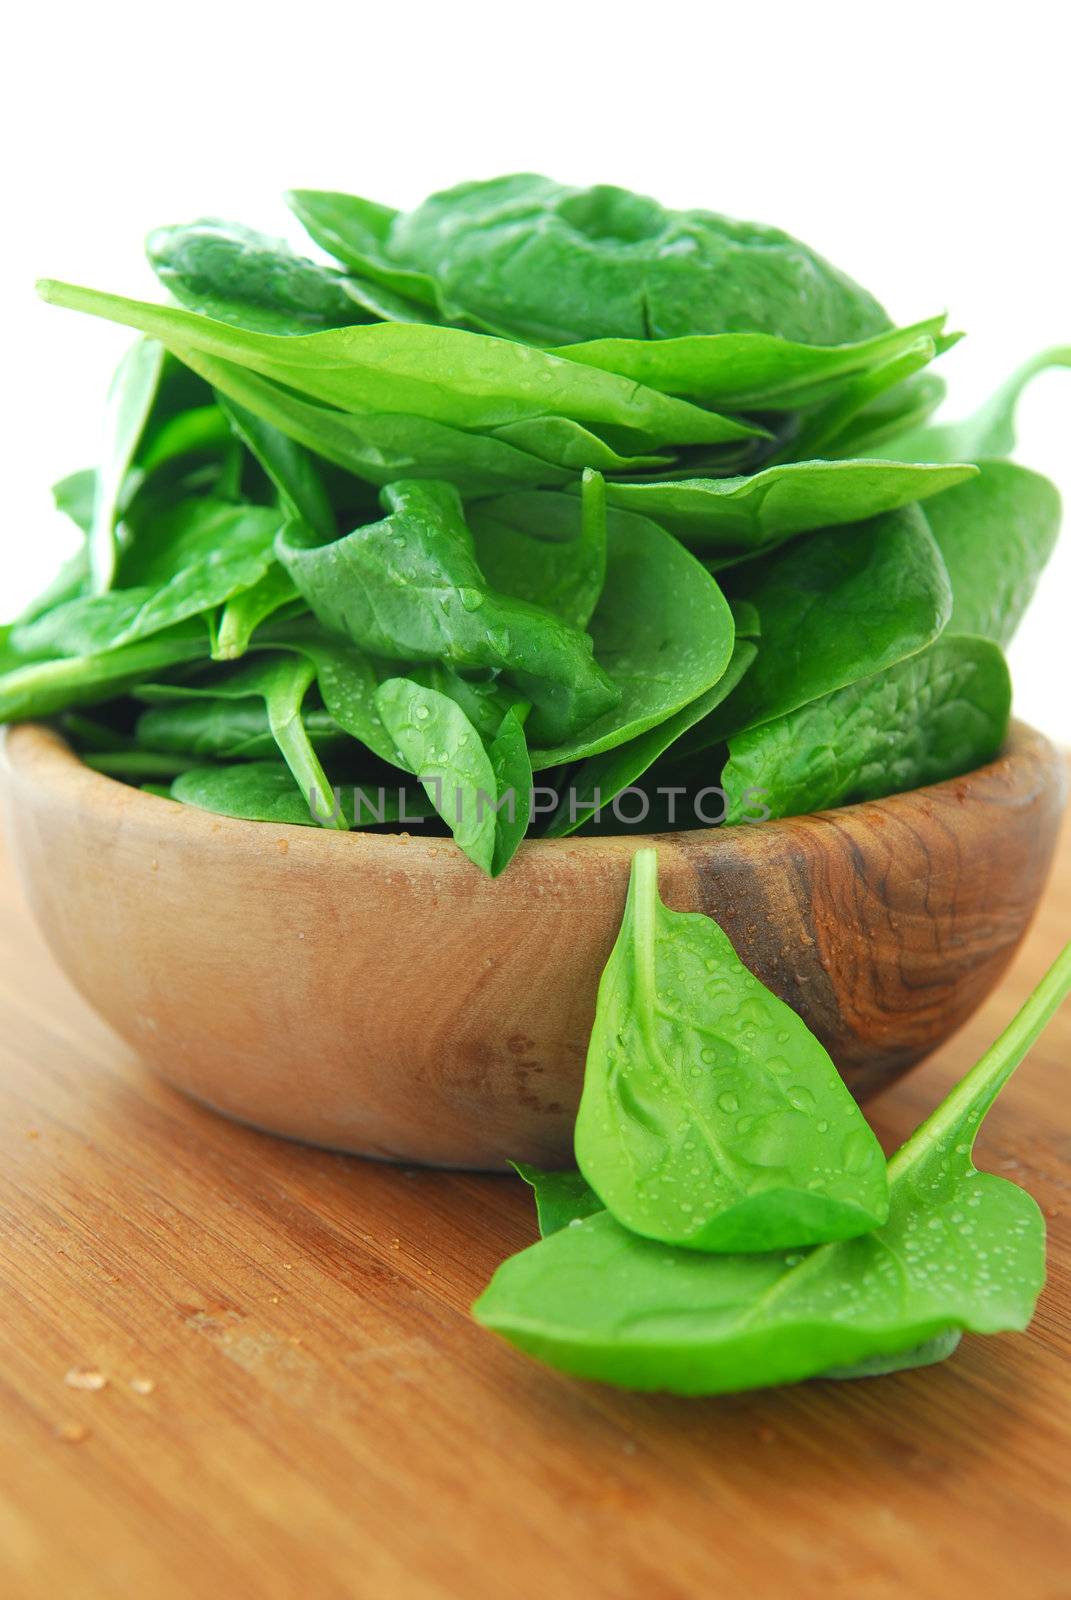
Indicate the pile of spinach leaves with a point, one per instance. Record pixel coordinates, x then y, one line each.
733 1223
530 479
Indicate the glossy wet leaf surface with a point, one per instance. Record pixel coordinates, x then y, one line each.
711 1117
961 1250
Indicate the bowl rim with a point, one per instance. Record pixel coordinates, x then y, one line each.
35 753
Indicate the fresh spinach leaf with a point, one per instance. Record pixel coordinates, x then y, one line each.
41 688
746 371
937 714
961 1250
990 432
381 446
550 554
560 1197
555 264
130 398
746 515
511 766
202 553
231 727
465 379
836 606
354 231
995 533
711 1116
438 743
409 588
237 275
263 791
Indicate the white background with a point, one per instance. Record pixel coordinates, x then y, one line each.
923 148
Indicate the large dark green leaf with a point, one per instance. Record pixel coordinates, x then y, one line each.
835 606
995 533
734 516
556 264
937 714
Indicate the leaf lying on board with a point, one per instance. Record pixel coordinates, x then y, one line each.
961 1250
711 1116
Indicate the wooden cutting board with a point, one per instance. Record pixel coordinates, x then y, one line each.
296 1403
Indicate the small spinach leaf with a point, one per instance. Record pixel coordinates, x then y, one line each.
995 534
409 588
130 399
735 516
438 743
240 276
560 1197
708 1105
835 606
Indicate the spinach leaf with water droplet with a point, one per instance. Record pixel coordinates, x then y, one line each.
481 793
409 588
961 1250
835 606
711 1116
238 275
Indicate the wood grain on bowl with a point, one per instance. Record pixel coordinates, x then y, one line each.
377 993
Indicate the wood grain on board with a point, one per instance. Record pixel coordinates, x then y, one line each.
297 1404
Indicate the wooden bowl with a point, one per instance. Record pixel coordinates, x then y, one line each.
378 994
